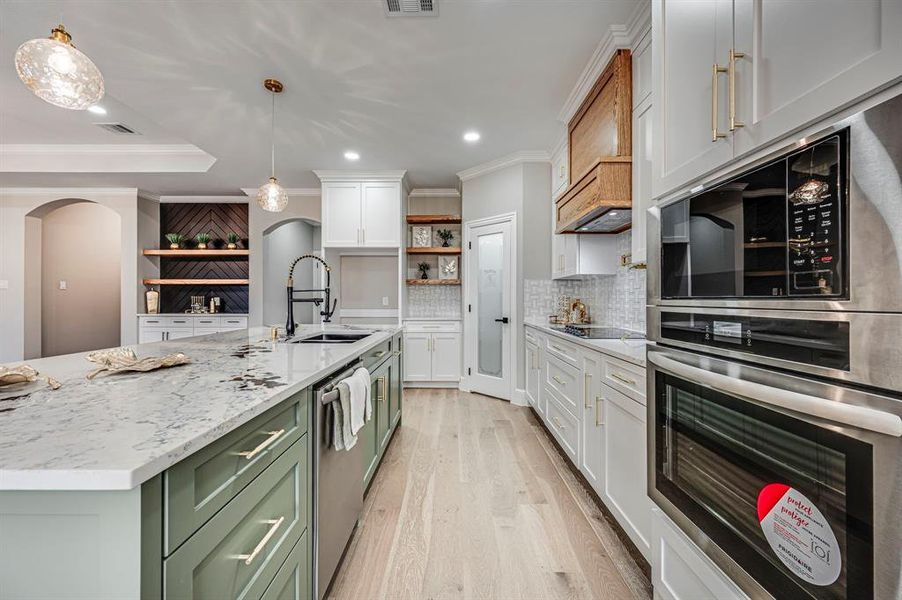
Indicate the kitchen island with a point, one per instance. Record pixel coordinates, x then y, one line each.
189 481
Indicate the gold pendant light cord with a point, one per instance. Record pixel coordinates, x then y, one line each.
272 133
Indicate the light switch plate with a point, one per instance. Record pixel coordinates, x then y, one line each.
63 284
384 300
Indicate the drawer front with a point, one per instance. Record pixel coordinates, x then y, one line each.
153 321
565 427
376 355
203 483
625 377
565 351
229 322
534 337
181 322
238 552
292 582
564 381
207 322
427 326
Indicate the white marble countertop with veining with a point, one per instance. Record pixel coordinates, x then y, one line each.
631 350
117 431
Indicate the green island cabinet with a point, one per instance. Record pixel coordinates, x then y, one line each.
231 521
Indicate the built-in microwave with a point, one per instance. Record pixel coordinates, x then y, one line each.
816 225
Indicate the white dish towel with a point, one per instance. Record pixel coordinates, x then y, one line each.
342 438
361 407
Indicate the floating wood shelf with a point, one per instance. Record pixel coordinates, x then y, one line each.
196 253
433 282
435 250
196 282
433 220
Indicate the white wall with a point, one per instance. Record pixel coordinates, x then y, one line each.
148 237
524 189
15 205
281 245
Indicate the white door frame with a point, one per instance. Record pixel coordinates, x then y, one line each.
470 340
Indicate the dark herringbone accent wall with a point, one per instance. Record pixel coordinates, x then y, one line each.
218 220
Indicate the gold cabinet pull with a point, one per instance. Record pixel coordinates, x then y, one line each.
274 526
586 402
559 380
273 436
558 423
731 77
380 389
598 420
715 71
623 379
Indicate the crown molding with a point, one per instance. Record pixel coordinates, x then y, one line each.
434 193
292 192
145 195
66 192
327 175
561 144
203 199
617 37
104 158
517 158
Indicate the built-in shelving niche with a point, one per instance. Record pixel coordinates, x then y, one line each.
218 220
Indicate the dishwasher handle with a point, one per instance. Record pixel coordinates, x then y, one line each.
860 417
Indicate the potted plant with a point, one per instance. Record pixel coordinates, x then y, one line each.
202 240
424 270
175 240
445 235
233 239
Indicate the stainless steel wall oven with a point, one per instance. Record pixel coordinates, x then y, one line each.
775 381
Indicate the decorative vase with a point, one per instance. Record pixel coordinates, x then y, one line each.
173 246
445 244
423 275
201 246
232 246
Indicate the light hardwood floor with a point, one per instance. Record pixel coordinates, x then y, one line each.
473 501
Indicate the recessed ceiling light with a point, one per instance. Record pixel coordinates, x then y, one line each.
97 109
351 155
471 136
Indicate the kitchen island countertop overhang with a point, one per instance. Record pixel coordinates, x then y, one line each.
117 431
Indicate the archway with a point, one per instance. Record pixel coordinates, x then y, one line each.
283 242
72 278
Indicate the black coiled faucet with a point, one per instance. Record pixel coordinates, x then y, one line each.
326 312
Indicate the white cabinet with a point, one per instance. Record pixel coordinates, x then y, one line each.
793 74
625 466
432 351
642 146
361 214
559 176
161 328
592 456
533 373
574 255
731 76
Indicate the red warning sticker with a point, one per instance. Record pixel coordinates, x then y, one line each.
799 534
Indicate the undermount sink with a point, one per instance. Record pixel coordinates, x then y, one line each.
332 338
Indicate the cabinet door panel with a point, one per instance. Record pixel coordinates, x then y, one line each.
181 332
417 357
147 335
625 466
794 74
382 214
692 36
592 457
445 357
397 390
381 395
532 374
642 176
341 214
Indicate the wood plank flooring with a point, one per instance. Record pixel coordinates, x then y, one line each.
473 501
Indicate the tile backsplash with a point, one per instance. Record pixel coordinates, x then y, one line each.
617 300
433 301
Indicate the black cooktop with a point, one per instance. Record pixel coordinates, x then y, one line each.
593 332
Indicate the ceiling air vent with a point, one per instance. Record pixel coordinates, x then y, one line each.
117 128
411 8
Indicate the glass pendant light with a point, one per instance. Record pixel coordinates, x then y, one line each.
271 196
59 73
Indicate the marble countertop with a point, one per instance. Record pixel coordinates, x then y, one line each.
629 350
117 431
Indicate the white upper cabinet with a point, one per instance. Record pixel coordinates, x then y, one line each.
691 41
559 175
803 61
642 146
361 210
382 214
732 76
575 255
341 214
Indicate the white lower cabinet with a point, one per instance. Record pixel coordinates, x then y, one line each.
162 328
533 373
432 351
592 457
681 571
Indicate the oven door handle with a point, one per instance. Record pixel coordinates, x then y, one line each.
860 417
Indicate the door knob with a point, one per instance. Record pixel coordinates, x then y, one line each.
502 320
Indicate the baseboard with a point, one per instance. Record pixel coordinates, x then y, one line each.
432 384
519 398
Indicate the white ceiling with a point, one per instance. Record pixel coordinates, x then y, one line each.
400 91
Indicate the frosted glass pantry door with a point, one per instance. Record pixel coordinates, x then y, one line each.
490 269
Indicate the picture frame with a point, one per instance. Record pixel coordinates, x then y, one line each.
421 236
448 267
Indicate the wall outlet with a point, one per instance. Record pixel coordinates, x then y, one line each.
63 284
384 300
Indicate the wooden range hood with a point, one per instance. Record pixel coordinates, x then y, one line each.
599 198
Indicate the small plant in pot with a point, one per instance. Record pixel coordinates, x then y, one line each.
445 235
175 240
233 239
202 240
424 270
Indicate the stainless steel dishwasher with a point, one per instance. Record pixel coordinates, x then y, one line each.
337 477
